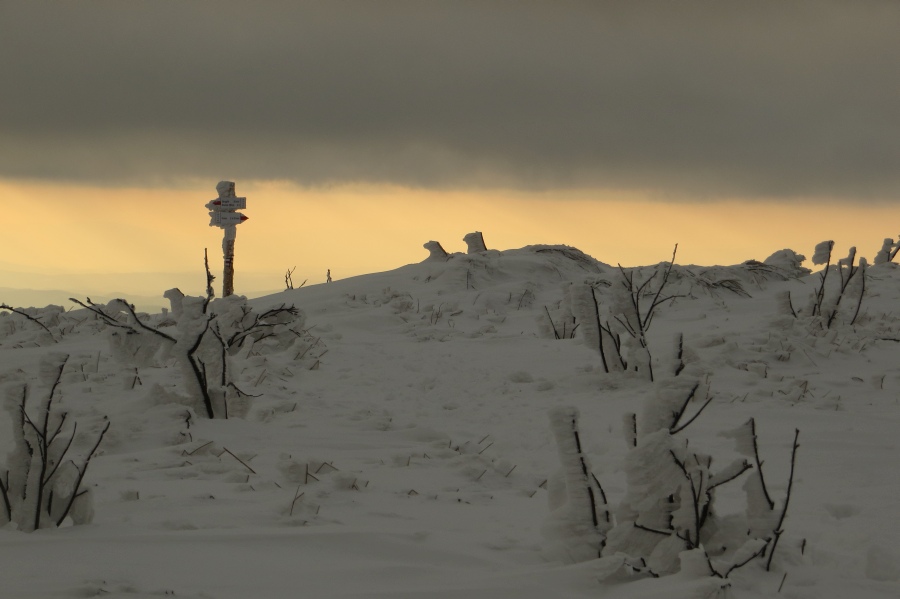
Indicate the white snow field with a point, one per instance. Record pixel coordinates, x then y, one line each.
400 444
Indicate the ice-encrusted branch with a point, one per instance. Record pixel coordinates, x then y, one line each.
81 472
677 430
759 470
599 329
29 317
676 416
779 530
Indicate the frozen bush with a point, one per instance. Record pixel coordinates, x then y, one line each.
669 503
42 488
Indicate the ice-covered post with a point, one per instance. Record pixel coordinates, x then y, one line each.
223 214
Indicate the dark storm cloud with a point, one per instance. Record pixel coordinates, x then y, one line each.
761 98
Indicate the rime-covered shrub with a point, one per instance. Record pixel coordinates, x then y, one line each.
669 505
213 338
40 482
839 297
31 326
209 336
579 517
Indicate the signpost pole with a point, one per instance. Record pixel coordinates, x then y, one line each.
228 279
224 214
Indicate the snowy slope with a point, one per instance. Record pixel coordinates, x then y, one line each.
407 452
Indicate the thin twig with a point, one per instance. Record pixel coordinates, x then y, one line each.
746 466
210 292
297 496
555 332
81 473
745 562
228 451
141 324
694 417
676 416
242 393
603 496
759 469
599 329
862 292
198 373
787 499
29 317
5 493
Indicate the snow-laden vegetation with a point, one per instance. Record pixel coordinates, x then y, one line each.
524 423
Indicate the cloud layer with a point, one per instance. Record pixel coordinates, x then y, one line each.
698 99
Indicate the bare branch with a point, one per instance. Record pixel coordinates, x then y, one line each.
242 393
599 329
81 472
627 326
4 491
695 499
862 292
210 292
555 332
106 317
746 466
676 416
198 374
640 290
603 496
694 417
656 301
759 470
679 357
820 293
665 533
29 317
141 324
243 463
62 454
745 562
787 499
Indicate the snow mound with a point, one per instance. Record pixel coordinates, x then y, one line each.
394 440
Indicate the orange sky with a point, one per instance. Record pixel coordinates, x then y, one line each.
144 241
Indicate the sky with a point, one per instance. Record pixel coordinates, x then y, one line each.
359 130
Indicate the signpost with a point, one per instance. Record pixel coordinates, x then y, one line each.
223 214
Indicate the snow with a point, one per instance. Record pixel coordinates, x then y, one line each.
410 452
822 253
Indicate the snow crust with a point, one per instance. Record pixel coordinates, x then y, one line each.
409 452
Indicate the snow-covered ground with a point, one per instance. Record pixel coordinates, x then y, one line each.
402 446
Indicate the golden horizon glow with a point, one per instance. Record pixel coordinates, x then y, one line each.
64 233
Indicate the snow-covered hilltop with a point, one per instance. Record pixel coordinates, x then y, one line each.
391 435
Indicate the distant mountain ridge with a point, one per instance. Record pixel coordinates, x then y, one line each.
38 298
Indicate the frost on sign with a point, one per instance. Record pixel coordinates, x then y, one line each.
223 213
223 209
229 204
225 219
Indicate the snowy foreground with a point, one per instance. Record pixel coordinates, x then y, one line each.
401 446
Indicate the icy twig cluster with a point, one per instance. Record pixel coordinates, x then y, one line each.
42 488
669 505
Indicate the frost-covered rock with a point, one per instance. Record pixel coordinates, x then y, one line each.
475 243
176 301
789 261
436 251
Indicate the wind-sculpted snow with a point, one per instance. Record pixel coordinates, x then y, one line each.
402 446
